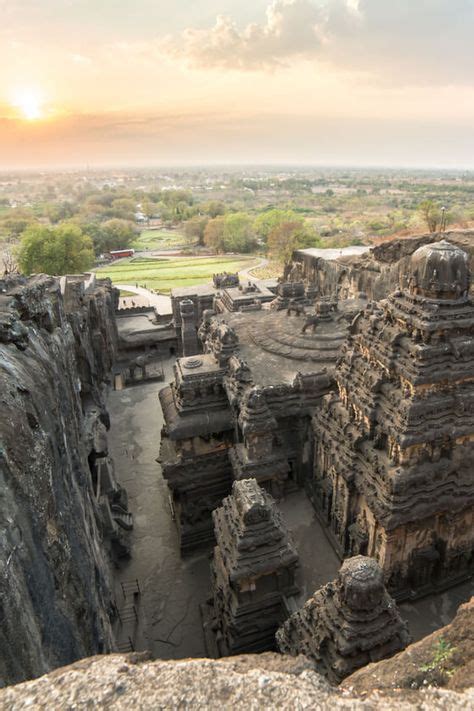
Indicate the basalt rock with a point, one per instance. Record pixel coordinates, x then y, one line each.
248 682
376 272
444 658
253 571
198 431
56 348
394 450
347 623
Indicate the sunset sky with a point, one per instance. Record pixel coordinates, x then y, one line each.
145 82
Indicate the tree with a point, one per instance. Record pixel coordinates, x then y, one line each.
173 197
214 234
63 249
213 208
149 209
431 214
16 222
239 235
58 212
194 229
114 234
270 219
122 208
230 233
288 236
10 265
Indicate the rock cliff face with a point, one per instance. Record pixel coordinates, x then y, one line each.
377 272
443 659
57 343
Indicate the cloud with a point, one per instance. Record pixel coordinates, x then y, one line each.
291 28
81 59
401 41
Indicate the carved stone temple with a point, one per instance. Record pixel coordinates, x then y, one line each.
347 624
198 432
341 384
394 448
253 571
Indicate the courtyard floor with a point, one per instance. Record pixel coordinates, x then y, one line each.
169 623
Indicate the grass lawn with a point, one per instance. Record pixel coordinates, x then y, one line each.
164 274
159 239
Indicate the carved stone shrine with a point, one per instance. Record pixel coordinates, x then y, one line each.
347 624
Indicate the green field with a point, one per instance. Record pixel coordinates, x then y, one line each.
159 239
164 274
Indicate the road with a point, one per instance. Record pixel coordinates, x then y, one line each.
245 275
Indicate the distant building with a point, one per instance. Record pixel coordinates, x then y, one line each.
120 253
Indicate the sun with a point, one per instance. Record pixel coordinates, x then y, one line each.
29 102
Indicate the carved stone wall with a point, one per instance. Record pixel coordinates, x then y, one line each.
253 570
394 449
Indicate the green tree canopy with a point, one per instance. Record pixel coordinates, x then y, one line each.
114 234
288 236
195 227
213 208
123 208
431 214
16 222
239 235
63 249
214 234
270 219
231 233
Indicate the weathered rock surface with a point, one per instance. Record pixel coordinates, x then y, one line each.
252 572
444 658
347 623
394 451
265 681
55 351
377 272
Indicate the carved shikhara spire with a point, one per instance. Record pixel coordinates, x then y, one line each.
394 452
347 623
255 416
253 569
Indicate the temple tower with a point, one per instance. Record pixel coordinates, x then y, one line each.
253 571
394 449
347 623
257 455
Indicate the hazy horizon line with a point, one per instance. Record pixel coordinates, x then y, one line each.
216 165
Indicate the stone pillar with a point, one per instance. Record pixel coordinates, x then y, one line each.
188 328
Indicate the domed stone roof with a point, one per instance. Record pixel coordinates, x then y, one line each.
362 582
439 271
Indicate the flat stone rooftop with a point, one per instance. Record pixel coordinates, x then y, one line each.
139 328
332 254
198 289
275 349
136 322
